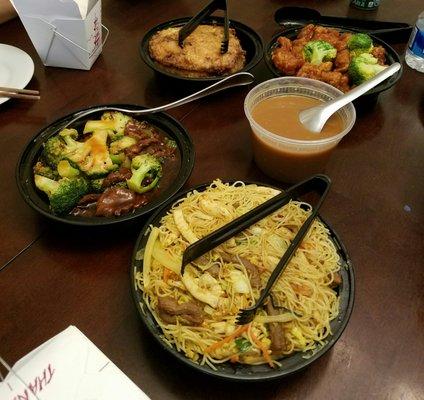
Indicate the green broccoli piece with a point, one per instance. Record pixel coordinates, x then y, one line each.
52 152
146 172
117 146
126 163
63 194
114 122
318 51
92 156
44 170
66 170
360 43
121 185
118 158
364 67
73 150
97 185
68 133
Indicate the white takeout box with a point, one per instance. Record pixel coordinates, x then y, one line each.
65 33
68 367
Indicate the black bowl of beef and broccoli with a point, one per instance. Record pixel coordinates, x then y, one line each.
106 168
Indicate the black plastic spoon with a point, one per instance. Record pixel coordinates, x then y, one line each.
391 32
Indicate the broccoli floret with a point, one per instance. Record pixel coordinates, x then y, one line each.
97 185
118 145
68 133
146 172
52 152
92 156
44 170
63 194
126 163
73 150
359 43
118 158
66 170
114 122
171 143
318 51
364 67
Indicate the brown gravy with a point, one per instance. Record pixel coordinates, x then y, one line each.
291 163
280 115
288 166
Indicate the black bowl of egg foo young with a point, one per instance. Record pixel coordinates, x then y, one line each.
159 49
201 332
91 178
348 51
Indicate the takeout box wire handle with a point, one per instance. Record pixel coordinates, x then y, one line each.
56 32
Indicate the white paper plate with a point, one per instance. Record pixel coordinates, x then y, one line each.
16 68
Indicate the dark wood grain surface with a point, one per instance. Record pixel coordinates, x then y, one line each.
54 276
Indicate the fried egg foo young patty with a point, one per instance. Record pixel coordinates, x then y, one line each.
201 54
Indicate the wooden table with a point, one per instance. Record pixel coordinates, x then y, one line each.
53 276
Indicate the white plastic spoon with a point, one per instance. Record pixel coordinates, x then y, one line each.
315 118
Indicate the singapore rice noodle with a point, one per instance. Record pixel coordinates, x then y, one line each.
197 311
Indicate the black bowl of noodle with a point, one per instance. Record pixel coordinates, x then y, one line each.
164 56
193 317
88 183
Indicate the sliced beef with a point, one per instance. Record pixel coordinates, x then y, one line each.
253 272
276 331
160 150
89 199
117 176
190 313
214 271
117 201
138 147
138 130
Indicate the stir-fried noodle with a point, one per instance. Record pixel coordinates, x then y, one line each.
197 311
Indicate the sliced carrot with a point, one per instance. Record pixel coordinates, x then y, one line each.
228 339
263 349
235 358
168 274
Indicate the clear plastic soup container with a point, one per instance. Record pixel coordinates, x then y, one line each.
291 160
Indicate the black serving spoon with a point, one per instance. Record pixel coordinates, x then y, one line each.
391 32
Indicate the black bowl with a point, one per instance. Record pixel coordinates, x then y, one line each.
250 42
237 372
38 201
391 57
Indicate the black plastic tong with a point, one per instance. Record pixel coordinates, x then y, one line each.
317 183
191 25
392 32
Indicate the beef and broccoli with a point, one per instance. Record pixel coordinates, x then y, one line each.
112 168
341 59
